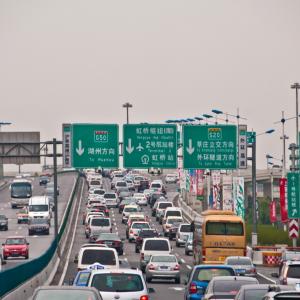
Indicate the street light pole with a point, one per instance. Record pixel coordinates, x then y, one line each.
127 105
254 204
296 86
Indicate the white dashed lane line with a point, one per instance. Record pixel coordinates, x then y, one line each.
189 267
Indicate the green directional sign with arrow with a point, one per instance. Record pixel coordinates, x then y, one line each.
210 147
150 145
95 145
293 195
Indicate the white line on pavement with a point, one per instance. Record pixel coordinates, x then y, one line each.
183 261
267 278
189 267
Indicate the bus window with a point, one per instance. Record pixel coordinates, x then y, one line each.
220 228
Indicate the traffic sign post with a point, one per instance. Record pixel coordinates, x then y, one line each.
293 229
293 195
95 145
150 145
210 147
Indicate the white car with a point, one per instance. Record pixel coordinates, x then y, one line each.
171 178
135 229
122 284
111 199
129 209
140 199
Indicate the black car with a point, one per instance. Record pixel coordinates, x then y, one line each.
44 180
38 225
144 185
154 197
173 230
3 222
112 240
144 233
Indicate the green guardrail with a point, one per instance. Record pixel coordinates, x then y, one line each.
14 277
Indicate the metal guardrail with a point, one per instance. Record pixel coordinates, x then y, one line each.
16 276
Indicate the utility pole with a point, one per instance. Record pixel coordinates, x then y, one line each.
55 191
254 204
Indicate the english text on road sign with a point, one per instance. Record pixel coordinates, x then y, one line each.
95 145
150 145
209 147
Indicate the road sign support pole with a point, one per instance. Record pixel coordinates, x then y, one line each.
254 205
55 193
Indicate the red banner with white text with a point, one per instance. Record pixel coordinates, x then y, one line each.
283 199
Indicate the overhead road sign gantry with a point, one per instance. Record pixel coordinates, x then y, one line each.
150 146
95 145
211 147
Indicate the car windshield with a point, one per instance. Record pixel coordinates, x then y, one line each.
239 261
224 228
121 183
206 274
123 189
38 207
173 213
173 221
130 209
99 192
114 282
100 222
112 196
255 294
165 258
229 286
103 257
78 294
20 190
156 185
185 228
293 271
140 225
15 241
164 205
157 245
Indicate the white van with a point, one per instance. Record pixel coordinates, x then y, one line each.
152 246
105 256
39 207
172 212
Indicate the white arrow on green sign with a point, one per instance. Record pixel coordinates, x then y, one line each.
150 145
95 145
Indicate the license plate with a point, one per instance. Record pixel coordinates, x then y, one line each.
164 268
108 243
15 254
240 271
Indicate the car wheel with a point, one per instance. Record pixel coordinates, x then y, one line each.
165 234
47 232
6 228
29 233
27 256
4 257
137 250
19 221
160 222
177 280
177 244
121 252
148 279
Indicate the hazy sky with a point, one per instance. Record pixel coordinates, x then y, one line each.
80 60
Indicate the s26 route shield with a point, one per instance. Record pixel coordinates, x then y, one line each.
150 146
211 147
95 145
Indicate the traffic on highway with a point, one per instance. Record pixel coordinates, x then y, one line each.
131 240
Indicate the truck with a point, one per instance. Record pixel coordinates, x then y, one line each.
20 192
39 207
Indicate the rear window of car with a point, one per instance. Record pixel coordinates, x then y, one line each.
293 271
130 209
146 233
169 258
121 183
164 205
156 185
100 222
65 294
112 196
229 286
185 228
102 256
255 294
206 274
112 282
95 182
99 192
157 245
140 225
173 213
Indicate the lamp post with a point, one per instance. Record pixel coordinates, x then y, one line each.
127 105
1 165
296 86
254 204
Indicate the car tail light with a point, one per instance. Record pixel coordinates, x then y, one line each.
203 254
117 243
151 267
100 242
144 297
176 268
193 288
107 211
253 270
130 231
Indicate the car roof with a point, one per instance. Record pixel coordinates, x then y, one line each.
156 238
238 257
234 278
131 205
117 271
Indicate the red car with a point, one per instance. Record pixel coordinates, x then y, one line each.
15 246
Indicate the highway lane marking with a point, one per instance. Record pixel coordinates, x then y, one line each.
63 275
176 288
183 260
189 267
267 278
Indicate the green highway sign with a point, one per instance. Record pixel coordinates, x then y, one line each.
95 145
251 137
293 195
150 145
210 147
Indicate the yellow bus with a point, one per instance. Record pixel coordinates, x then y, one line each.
218 234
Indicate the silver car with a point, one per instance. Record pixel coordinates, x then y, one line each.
189 245
163 267
242 265
183 233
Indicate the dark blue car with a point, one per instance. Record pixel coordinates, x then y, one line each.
201 276
82 278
